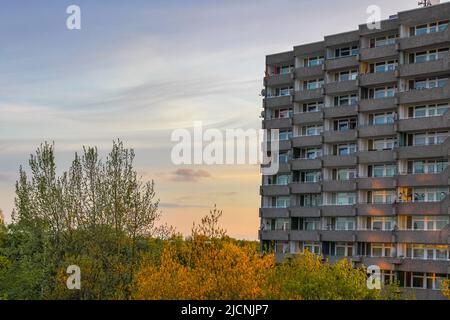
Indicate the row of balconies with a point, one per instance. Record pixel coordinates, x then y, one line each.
422 237
404 97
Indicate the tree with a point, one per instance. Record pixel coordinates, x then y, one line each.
96 215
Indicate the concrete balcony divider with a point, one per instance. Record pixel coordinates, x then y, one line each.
308 95
341 111
375 236
307 141
306 164
278 102
377 131
308 117
368 105
425 68
305 212
339 186
274 190
430 266
274 213
277 123
424 208
418 152
341 63
375 209
422 237
431 39
376 183
368 54
339 161
281 58
280 235
309 72
367 157
340 136
338 211
345 236
310 187
424 95
428 123
279 79
373 79
304 235
333 88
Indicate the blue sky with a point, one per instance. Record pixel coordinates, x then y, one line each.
139 69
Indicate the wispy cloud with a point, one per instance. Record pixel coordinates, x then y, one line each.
189 175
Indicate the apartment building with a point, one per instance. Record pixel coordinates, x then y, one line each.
364 149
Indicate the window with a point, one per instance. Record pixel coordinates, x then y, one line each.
281 113
344 249
346 52
312 247
429 138
427 166
310 200
382 118
383 41
344 224
348 100
311 224
283 157
425 56
346 174
313 84
345 124
283 202
382 196
421 280
314 61
346 75
382 250
428 110
427 252
428 223
285 69
428 28
344 198
429 83
283 180
382 223
384 92
285 135
313 153
346 149
429 194
383 144
385 66
312 107
383 170
312 130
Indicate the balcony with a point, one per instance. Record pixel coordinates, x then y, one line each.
334 88
418 152
339 161
374 210
376 183
341 111
375 79
339 186
274 235
377 131
306 187
308 117
424 95
272 213
279 80
344 236
429 68
422 237
421 208
340 136
430 266
305 212
424 180
308 95
304 235
281 58
284 168
428 123
370 54
384 156
277 123
368 105
309 72
338 211
274 190
306 141
341 63
431 39
375 236
278 101
306 164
